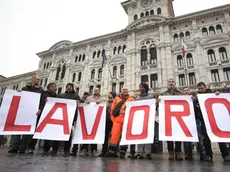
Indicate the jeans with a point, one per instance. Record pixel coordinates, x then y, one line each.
48 144
93 147
20 143
205 143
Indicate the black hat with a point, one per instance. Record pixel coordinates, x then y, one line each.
113 94
145 86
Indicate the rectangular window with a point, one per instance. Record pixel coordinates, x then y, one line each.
182 80
192 78
215 75
114 85
154 81
226 74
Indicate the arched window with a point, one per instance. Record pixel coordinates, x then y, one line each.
212 30
181 36
124 48
189 59
146 13
115 71
58 72
223 53
45 82
153 54
63 71
151 12
204 31
144 54
83 57
79 76
100 73
180 61
94 54
158 10
187 35
44 67
122 70
93 74
142 14
219 29
175 38
135 17
98 53
211 55
79 58
76 58
73 77
114 50
47 65
119 49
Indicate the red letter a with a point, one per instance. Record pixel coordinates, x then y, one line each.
177 115
144 134
48 120
85 134
11 117
211 117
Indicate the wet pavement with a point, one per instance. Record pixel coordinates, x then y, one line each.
40 163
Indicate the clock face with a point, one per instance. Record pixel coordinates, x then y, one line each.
146 3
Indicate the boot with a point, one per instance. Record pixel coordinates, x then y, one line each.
171 156
179 157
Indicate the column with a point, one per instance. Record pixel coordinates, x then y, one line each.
133 62
221 74
200 62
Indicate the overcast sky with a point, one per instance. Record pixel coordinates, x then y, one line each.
31 26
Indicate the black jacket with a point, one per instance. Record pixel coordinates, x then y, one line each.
73 96
197 110
44 96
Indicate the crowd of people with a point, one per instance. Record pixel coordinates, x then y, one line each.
115 112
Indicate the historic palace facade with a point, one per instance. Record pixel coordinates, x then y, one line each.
148 50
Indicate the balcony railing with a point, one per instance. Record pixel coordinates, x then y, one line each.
225 61
149 67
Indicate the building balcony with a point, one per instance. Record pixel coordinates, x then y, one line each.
227 61
149 67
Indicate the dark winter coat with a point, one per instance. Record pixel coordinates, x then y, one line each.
197 110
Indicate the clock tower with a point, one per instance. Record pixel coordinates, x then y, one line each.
137 9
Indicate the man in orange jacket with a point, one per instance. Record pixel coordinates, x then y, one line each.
118 114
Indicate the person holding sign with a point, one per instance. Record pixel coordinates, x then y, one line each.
204 141
173 153
109 123
143 150
69 94
118 111
20 143
95 98
50 92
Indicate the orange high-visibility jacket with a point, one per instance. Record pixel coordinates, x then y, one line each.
114 104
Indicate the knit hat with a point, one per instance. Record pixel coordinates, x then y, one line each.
113 94
145 86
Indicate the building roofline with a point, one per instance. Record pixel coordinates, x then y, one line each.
17 76
202 12
122 32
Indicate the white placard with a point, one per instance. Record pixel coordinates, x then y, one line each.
177 119
216 115
139 122
90 127
56 119
18 112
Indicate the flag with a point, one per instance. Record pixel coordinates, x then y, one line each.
104 58
184 48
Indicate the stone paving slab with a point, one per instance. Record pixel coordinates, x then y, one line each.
40 163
